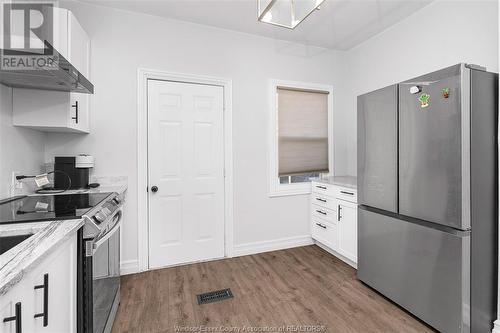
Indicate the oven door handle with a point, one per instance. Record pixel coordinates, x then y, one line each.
110 232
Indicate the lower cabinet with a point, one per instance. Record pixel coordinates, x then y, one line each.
334 220
13 310
348 230
325 232
45 298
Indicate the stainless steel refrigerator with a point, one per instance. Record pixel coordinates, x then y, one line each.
427 189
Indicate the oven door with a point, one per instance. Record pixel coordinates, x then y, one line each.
106 277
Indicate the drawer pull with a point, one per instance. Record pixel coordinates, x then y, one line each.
321 212
321 187
75 118
322 200
321 226
16 318
345 192
45 313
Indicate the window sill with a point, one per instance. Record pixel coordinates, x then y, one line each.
282 190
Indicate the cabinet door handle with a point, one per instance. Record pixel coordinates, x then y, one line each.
16 318
338 213
321 187
45 313
76 112
321 212
322 200
321 226
348 193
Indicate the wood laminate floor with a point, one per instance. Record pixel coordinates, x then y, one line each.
297 287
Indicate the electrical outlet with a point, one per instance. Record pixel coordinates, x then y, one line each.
14 183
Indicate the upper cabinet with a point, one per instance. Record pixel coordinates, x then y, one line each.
56 111
78 45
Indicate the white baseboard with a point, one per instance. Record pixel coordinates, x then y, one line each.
271 245
338 255
129 267
496 326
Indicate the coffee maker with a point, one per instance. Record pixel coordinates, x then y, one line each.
76 168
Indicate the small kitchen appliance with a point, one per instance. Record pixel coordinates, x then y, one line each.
77 168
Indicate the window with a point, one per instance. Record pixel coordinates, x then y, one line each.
301 130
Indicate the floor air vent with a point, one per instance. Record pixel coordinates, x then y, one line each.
214 296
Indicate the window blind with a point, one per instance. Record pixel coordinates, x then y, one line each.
302 131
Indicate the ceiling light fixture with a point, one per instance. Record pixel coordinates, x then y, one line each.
286 13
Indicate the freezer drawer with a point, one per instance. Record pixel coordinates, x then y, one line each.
377 148
425 270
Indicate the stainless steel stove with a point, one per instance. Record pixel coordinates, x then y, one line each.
98 259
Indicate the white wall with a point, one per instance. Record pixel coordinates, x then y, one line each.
21 149
123 41
439 35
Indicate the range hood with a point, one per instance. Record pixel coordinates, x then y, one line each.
59 75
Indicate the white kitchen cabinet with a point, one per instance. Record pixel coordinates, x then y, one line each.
334 219
78 46
348 230
60 267
51 111
325 232
60 31
55 111
19 294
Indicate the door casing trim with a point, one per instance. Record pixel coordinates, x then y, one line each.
143 75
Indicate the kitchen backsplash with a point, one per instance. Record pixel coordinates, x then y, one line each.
21 149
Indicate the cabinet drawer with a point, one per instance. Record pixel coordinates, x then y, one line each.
346 193
323 201
325 233
321 188
327 214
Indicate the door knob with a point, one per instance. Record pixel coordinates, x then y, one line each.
154 189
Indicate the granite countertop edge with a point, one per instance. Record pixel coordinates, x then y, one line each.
21 259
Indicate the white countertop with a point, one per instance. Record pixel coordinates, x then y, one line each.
345 181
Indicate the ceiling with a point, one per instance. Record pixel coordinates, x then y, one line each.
339 24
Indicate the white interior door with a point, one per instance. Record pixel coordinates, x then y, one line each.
186 164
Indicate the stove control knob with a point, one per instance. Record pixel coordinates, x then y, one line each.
117 200
99 217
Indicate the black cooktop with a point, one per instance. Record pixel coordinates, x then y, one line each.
49 207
